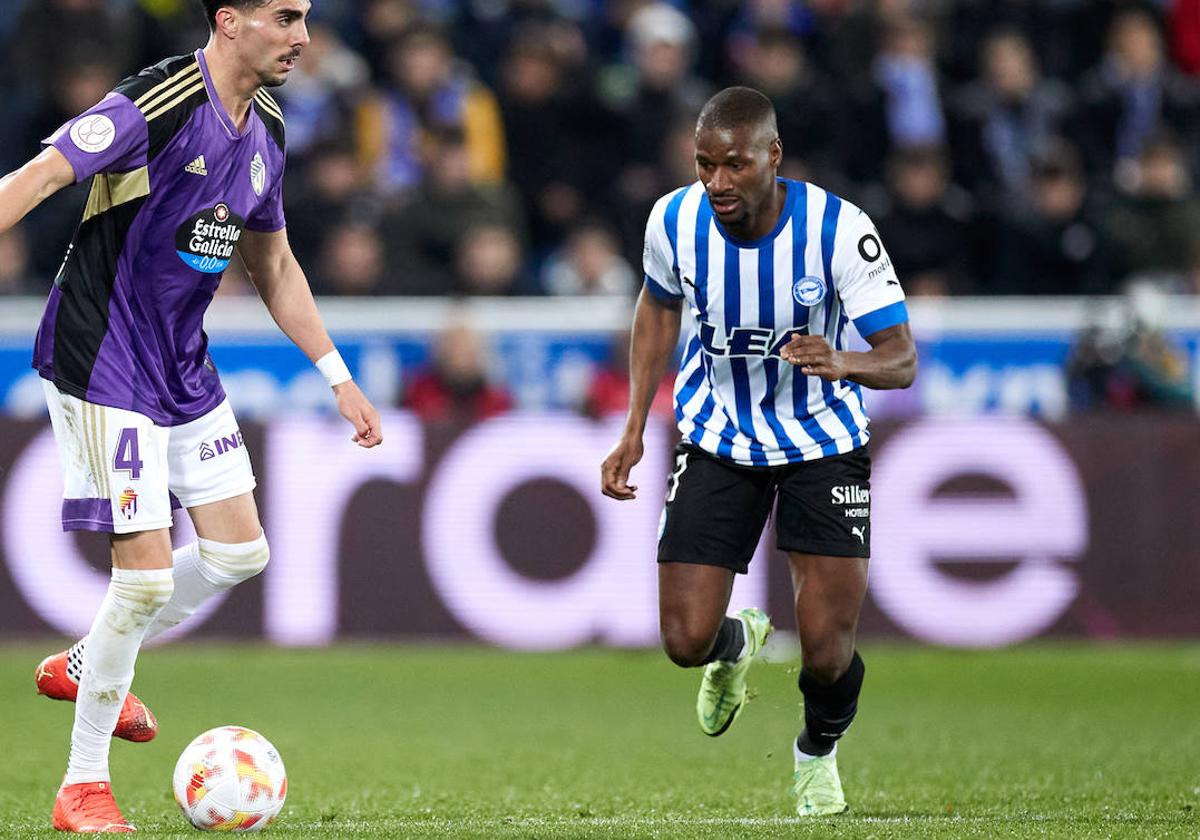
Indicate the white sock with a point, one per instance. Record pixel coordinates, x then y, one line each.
803 756
191 590
206 568
135 597
197 579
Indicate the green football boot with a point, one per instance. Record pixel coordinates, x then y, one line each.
723 689
818 788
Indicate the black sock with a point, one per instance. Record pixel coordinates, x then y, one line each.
730 639
829 709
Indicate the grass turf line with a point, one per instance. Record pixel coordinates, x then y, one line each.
388 741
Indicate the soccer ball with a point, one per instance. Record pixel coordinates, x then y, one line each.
230 779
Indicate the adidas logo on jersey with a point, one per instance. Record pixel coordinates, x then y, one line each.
196 167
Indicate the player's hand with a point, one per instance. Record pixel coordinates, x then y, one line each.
357 409
614 472
813 355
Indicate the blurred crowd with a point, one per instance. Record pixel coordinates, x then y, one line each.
514 147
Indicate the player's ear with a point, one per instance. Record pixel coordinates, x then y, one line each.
775 153
227 21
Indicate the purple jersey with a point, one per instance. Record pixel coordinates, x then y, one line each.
173 185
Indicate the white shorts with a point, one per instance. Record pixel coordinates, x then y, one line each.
121 472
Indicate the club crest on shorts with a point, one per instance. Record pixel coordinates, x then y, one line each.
809 290
128 502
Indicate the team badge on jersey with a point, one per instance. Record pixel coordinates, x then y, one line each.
809 290
94 133
258 174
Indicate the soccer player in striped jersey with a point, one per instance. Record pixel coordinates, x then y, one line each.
770 406
186 165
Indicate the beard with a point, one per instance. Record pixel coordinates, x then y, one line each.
271 80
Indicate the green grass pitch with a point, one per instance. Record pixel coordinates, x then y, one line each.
395 741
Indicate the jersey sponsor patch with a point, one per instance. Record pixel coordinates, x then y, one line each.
94 133
207 240
869 248
809 291
763 342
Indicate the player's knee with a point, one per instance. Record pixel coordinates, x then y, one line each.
141 593
686 646
825 664
228 564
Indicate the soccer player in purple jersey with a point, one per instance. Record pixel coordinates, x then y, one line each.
186 165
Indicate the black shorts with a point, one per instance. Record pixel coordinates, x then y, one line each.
716 510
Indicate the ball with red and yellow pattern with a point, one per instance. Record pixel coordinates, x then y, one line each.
230 779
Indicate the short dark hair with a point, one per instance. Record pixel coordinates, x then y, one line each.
735 107
211 7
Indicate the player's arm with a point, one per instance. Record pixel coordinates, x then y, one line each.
890 363
284 289
652 345
873 299
24 189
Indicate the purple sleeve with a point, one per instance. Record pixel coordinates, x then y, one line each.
267 217
111 136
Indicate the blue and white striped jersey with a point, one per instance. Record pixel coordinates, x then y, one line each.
822 266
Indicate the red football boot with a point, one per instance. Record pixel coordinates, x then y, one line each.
89 807
54 680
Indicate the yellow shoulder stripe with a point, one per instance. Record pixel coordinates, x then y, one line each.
165 88
110 190
164 107
269 105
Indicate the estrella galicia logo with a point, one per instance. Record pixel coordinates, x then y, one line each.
207 240
809 290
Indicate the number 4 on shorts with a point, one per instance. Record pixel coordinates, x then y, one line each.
127 459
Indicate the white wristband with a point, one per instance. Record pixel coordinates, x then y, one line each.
333 368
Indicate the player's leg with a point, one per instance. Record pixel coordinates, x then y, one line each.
230 548
711 525
210 474
140 587
212 477
115 481
824 521
829 596
693 627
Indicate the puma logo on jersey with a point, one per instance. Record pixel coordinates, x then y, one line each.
196 167
860 532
